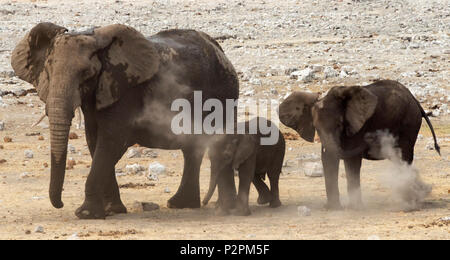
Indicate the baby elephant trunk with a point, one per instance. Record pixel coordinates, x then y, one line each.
212 187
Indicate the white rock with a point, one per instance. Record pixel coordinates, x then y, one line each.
343 74
249 93
133 153
167 190
303 211
374 237
71 148
313 169
134 168
329 72
24 175
39 229
306 75
149 153
28 154
429 145
154 170
255 81
74 236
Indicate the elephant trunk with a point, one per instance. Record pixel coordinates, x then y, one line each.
60 117
212 186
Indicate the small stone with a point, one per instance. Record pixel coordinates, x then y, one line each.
306 75
313 169
25 175
74 236
149 206
133 153
7 139
167 190
134 168
39 229
27 232
70 164
154 170
28 154
40 138
329 72
373 237
150 153
255 81
73 136
304 211
71 148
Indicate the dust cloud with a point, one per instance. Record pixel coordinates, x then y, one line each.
403 180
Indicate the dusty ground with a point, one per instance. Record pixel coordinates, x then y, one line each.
403 40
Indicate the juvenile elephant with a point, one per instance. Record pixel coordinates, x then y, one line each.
345 118
253 160
125 84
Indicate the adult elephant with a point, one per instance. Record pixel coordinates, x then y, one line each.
348 120
125 84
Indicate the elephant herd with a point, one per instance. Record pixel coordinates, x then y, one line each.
125 84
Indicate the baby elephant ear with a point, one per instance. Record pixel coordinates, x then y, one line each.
361 105
247 145
128 59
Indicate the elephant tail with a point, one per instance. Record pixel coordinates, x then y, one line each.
424 115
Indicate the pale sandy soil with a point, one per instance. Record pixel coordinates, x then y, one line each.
24 203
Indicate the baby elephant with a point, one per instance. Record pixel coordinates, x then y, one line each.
348 121
247 154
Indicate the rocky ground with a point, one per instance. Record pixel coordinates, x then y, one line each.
277 47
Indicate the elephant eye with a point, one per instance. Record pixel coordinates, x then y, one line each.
297 108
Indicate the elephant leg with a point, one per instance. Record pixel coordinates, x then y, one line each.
188 194
226 189
274 178
264 195
246 175
352 171
106 155
111 200
407 148
330 164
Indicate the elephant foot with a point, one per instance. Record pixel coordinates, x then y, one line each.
182 202
333 206
219 211
275 203
242 210
91 210
357 206
116 208
264 198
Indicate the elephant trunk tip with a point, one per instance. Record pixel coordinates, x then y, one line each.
56 201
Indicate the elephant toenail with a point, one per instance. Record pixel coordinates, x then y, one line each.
85 212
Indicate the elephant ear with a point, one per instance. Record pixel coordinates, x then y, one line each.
305 126
361 105
246 147
299 104
29 56
128 59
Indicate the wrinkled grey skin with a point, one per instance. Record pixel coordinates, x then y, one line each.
125 85
347 120
253 161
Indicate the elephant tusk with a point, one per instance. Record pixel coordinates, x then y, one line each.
40 120
78 111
